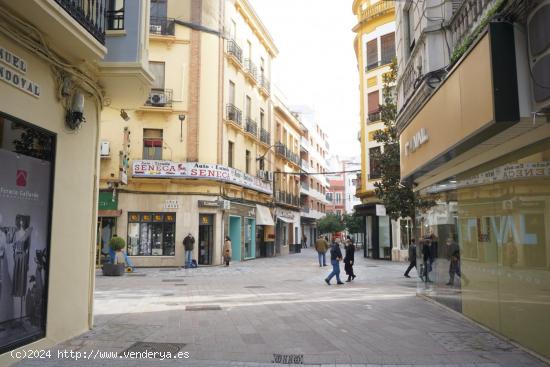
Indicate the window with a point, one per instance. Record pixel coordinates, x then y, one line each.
157 69
374 166
409 26
373 102
248 107
151 234
233 30
231 92
115 15
152 144
159 9
262 117
372 54
338 197
387 45
247 157
231 151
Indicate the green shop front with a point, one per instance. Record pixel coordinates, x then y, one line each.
107 213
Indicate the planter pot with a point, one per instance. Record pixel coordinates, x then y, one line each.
113 269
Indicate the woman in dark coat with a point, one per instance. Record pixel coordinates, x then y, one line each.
349 259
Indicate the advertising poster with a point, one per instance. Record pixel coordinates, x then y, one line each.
24 236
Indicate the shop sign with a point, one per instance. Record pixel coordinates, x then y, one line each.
107 201
380 210
285 214
215 172
14 73
209 204
171 204
509 172
418 139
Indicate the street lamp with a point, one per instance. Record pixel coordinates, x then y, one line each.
181 117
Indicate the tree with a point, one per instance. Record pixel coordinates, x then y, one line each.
353 223
399 198
331 223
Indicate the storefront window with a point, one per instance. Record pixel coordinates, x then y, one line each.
151 234
491 229
27 156
384 237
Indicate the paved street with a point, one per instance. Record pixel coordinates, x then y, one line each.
280 310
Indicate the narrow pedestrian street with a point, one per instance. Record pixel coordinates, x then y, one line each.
279 309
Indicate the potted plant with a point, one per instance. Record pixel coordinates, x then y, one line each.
117 265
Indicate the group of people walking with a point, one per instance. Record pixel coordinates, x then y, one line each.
322 246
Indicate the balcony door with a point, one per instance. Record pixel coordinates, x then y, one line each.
157 69
232 93
159 9
248 107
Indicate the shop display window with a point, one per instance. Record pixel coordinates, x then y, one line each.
151 234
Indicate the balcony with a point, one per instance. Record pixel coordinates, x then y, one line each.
251 127
377 10
251 71
305 166
160 26
159 98
265 86
233 114
265 136
311 213
283 197
235 52
386 60
373 117
89 14
284 151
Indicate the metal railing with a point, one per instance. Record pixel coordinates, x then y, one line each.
288 198
283 150
115 20
386 59
251 68
304 185
89 14
251 126
232 113
265 136
374 117
265 84
161 26
234 49
159 98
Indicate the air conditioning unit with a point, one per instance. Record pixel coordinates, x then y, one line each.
269 175
261 174
157 99
226 205
538 28
105 149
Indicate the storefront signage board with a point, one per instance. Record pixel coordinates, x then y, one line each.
215 172
12 71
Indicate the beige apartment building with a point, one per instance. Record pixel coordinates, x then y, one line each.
186 160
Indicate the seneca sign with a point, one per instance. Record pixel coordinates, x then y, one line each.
216 172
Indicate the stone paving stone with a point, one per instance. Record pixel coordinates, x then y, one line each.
377 320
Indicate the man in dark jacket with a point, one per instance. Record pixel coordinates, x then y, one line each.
412 257
188 244
335 257
427 260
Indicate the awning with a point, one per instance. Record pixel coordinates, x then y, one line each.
263 216
286 220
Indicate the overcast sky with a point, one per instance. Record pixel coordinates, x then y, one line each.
316 63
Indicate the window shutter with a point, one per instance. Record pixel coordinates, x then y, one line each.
157 69
373 102
372 53
387 43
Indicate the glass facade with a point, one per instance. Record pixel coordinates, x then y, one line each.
151 234
489 245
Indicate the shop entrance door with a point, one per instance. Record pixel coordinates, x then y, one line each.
206 238
250 238
235 235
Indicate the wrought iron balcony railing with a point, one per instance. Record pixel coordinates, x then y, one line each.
233 114
386 59
251 126
283 150
234 49
251 68
161 26
115 20
373 117
89 14
265 84
265 136
159 98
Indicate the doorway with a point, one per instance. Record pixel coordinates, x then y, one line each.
235 235
250 239
106 228
206 238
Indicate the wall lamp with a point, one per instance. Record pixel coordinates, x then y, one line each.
75 114
124 115
181 118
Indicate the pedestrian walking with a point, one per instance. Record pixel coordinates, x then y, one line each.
335 257
321 246
188 244
453 255
227 251
427 261
412 257
349 259
304 241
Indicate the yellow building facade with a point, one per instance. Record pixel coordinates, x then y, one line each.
185 161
